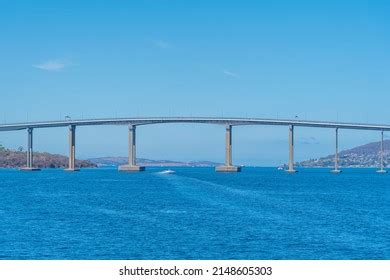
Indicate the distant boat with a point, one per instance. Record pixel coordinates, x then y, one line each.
280 168
168 171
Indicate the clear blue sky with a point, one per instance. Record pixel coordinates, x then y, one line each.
322 60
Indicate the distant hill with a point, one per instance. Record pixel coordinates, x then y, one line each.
367 155
17 159
116 161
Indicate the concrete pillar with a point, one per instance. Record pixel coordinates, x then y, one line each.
29 147
382 167
72 149
132 146
132 165
228 167
291 150
228 146
336 154
29 152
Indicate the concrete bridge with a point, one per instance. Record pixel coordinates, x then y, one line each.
132 123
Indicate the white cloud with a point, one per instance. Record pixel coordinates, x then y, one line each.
230 74
52 65
162 44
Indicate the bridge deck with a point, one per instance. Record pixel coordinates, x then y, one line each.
202 120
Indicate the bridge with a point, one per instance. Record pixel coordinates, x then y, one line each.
229 123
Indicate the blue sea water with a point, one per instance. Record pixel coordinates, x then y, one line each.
260 213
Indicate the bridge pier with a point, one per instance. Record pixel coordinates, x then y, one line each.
382 170
72 149
336 169
132 165
29 153
228 167
291 150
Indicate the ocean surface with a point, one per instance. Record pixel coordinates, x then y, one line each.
195 213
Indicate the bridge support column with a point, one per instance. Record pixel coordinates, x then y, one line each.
132 166
382 167
228 167
72 149
291 150
29 153
336 169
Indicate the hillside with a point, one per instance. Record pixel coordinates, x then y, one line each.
116 161
17 159
367 155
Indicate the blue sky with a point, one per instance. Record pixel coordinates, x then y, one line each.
320 60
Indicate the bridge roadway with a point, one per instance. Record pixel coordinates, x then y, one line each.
205 120
228 122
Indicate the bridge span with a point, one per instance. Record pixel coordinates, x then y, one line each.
132 123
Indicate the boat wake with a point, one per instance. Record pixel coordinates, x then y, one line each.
166 172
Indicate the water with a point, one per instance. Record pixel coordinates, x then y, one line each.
195 213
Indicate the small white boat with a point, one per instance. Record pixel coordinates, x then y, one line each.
280 168
168 171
